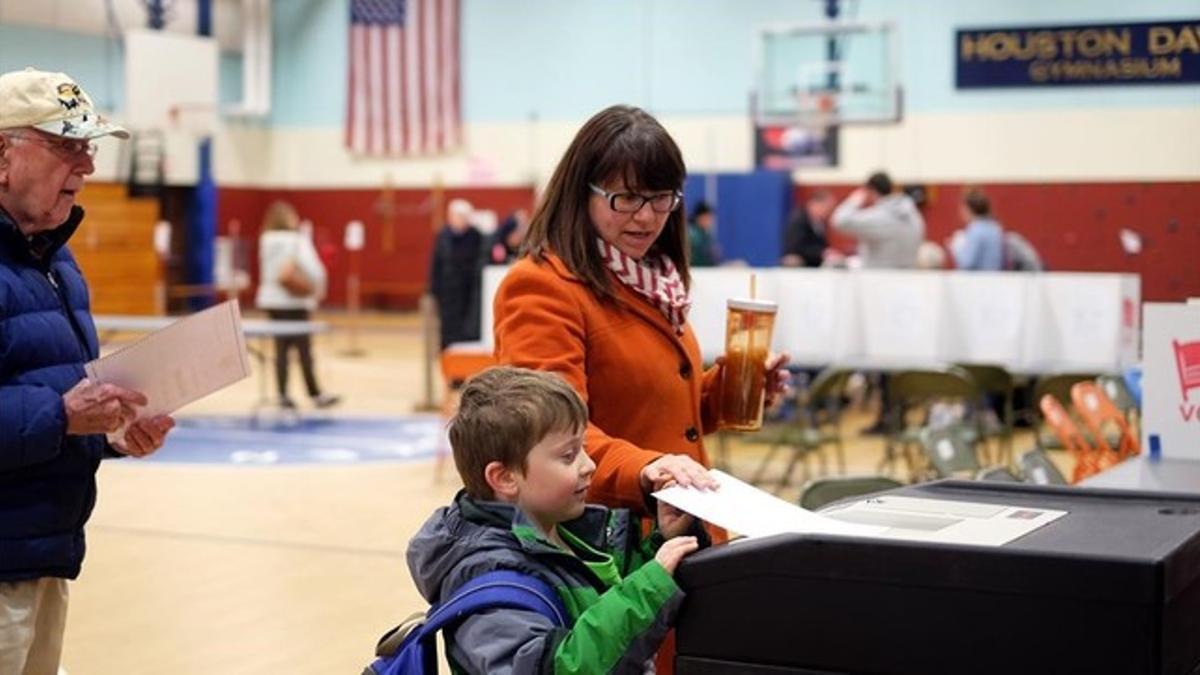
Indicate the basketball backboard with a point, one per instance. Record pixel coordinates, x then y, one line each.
817 75
171 88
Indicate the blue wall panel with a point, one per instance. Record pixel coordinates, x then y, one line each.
751 210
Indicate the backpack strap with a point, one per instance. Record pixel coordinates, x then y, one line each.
496 589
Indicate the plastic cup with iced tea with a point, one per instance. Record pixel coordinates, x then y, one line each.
748 327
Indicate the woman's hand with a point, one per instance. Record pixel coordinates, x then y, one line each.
671 521
778 379
681 469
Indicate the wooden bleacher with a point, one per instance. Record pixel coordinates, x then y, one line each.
115 249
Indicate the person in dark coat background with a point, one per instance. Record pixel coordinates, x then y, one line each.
455 274
701 243
806 237
506 242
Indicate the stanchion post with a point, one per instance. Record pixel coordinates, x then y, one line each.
431 352
354 240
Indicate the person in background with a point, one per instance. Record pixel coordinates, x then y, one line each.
931 256
890 230
887 224
53 420
805 240
517 441
1020 255
980 245
506 241
455 274
292 283
702 246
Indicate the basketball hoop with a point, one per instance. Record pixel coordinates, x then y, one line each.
198 120
817 110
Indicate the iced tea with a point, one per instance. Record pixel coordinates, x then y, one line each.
748 327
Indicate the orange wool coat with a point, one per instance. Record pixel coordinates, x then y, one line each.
645 386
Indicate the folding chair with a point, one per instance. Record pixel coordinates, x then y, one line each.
1069 437
1117 391
1037 468
949 451
998 474
817 425
996 381
1058 386
1098 412
822 491
918 388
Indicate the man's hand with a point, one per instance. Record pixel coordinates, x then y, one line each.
673 550
681 469
94 408
145 436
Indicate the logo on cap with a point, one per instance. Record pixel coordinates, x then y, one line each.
69 95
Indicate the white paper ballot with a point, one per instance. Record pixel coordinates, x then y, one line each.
742 508
181 363
944 521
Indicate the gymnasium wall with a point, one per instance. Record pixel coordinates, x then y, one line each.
1067 167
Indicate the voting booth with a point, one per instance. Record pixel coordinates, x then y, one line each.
1111 586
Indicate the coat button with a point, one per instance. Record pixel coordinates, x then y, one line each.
692 434
685 370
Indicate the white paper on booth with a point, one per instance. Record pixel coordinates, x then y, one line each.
744 509
945 521
183 362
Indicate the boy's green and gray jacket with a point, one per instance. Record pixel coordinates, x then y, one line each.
621 602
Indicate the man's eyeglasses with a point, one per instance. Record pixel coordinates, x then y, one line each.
632 202
68 148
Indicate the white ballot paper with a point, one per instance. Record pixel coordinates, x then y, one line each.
181 363
744 509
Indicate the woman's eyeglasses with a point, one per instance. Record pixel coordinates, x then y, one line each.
632 202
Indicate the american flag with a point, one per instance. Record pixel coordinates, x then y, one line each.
404 84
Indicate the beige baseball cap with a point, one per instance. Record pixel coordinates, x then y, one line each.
53 103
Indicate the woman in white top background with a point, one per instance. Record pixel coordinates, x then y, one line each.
291 284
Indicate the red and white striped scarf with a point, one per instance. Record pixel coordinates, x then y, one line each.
657 280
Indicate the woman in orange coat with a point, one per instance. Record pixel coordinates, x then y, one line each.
602 298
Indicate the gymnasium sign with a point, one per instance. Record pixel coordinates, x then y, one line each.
1161 52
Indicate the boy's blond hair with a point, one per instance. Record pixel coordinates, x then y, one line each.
505 411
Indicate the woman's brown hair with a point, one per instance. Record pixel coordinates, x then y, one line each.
280 215
619 141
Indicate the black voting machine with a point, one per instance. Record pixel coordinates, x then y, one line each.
1111 587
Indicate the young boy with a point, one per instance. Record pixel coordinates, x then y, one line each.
518 445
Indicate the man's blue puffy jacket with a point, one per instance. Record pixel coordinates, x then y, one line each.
47 478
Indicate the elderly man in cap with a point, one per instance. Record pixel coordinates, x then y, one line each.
53 421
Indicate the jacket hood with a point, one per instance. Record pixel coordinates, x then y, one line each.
470 537
899 205
453 534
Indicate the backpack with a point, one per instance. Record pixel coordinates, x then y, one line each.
411 648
